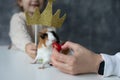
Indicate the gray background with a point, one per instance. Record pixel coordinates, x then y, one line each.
94 24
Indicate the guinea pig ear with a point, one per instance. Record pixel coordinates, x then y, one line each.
56 36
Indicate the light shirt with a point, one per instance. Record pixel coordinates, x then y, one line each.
21 34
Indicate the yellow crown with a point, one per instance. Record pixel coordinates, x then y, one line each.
46 18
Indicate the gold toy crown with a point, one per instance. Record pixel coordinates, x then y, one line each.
46 18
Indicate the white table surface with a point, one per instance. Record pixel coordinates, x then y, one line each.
15 65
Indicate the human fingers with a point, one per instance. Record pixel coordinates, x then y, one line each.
33 51
33 46
68 59
64 67
32 56
60 65
74 48
70 45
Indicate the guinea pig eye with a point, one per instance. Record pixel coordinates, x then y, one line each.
43 36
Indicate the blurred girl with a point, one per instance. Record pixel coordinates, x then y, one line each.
22 35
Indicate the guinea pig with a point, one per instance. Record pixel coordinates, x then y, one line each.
44 50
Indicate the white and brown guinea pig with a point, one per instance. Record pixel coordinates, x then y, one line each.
44 51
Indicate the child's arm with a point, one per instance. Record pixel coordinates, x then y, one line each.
18 32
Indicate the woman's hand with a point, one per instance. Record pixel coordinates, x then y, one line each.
82 60
31 50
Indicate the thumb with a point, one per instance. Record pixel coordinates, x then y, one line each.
74 48
69 45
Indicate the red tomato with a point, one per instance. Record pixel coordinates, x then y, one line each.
57 46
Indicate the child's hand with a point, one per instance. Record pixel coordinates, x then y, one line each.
31 50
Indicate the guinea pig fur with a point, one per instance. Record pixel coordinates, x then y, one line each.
44 51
